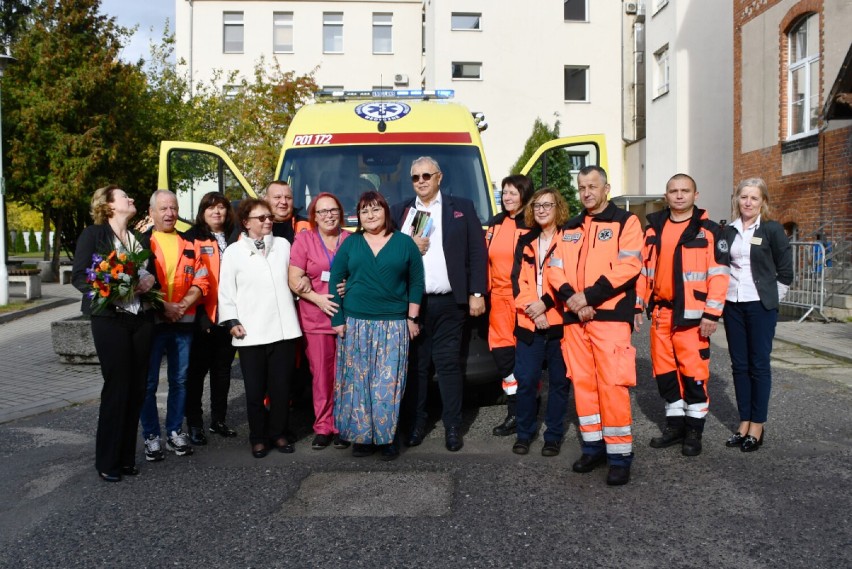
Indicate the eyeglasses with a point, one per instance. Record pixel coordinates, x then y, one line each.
426 177
544 206
370 210
333 211
262 218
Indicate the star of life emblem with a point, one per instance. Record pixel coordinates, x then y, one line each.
376 111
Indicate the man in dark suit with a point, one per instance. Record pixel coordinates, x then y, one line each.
454 258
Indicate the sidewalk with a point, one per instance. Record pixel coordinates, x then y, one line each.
34 381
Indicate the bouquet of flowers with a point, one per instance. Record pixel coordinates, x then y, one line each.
114 277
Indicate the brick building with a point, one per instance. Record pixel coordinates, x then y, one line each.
790 56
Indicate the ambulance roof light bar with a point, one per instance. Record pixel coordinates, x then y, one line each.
327 95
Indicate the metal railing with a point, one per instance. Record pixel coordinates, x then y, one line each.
807 290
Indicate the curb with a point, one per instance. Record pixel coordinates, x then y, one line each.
846 358
29 311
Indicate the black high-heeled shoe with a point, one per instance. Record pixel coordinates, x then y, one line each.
107 477
735 440
751 444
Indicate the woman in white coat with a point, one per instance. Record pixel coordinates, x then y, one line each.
256 305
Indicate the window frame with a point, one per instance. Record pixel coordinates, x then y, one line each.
276 25
331 24
379 25
478 16
226 25
809 127
453 65
573 20
662 72
587 83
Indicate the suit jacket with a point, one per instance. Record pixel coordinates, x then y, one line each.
463 243
94 239
771 261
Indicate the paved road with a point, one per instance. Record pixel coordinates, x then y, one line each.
788 505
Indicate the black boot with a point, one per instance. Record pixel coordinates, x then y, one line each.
510 423
672 434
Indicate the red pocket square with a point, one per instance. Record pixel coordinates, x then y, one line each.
457 214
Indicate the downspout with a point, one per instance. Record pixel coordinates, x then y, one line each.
191 75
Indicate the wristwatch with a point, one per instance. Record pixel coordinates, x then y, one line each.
415 319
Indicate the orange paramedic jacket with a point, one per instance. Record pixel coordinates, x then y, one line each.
701 269
524 286
600 256
494 227
189 272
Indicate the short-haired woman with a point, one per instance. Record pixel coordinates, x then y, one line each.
501 236
310 270
378 317
539 326
761 273
256 306
211 349
122 334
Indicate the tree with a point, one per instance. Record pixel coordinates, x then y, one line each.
558 163
73 117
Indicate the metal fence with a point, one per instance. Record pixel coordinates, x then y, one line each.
808 288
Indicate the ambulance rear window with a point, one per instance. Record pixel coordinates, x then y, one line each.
348 171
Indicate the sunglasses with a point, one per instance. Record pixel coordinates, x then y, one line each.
262 218
426 177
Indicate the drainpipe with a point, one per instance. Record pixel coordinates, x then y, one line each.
191 75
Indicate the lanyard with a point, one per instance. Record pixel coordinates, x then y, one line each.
325 250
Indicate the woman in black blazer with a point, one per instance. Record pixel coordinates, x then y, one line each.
761 273
122 336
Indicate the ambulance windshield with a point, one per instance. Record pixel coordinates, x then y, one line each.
348 171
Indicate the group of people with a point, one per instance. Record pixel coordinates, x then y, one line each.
569 292
375 311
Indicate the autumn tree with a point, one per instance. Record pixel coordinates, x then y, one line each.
554 170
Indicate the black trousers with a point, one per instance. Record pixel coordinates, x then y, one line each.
123 344
211 351
268 369
439 342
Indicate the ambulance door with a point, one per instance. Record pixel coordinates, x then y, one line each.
191 169
556 163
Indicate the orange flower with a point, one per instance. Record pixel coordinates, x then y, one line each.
111 255
104 266
104 292
122 257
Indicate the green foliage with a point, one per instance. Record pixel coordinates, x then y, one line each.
553 169
32 246
20 245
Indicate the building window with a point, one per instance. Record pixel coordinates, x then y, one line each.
576 83
382 33
466 21
332 32
230 92
803 77
467 70
233 32
282 32
575 10
661 71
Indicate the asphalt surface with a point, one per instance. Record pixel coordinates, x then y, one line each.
787 505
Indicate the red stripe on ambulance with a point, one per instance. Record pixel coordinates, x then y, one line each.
386 138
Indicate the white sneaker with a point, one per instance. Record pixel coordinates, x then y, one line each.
178 443
153 450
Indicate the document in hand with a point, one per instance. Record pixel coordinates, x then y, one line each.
417 223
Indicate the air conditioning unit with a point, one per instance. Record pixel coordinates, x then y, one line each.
630 8
400 79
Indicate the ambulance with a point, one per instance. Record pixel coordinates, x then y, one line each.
349 142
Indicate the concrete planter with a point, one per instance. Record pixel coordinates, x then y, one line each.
72 340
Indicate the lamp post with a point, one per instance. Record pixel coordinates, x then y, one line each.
5 59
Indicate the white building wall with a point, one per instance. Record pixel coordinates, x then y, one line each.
357 67
523 51
690 128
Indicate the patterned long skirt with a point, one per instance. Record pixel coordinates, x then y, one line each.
372 366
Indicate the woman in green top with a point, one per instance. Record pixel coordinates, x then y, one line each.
383 270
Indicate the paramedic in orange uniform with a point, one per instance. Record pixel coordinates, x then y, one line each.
500 238
594 269
682 287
